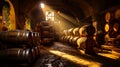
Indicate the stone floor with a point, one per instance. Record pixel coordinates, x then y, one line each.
62 55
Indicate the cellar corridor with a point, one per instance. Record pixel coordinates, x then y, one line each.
59 33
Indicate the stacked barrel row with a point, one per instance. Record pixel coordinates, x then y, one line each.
47 34
77 37
19 46
71 36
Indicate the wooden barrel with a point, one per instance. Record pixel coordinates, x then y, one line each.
65 35
74 41
70 40
69 34
82 30
16 55
117 13
62 38
117 41
66 32
65 38
47 34
112 28
47 40
75 36
81 43
76 31
36 38
16 37
44 24
38 27
108 16
116 26
107 27
47 28
70 31
86 30
36 51
115 29
33 53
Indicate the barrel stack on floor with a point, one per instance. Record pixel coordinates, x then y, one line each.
47 34
19 47
81 38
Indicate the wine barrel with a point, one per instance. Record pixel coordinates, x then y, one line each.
74 41
36 51
108 16
44 24
81 43
16 55
62 38
116 26
76 31
117 13
47 40
70 40
33 53
36 38
88 30
117 41
75 36
65 38
47 28
33 37
70 31
69 34
47 34
82 30
37 27
16 37
107 28
113 28
66 32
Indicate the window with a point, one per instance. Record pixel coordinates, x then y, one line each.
50 15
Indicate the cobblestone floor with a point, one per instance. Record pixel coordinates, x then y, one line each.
61 55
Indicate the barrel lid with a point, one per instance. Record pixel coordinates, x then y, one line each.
70 31
117 14
107 16
76 31
82 30
115 27
106 27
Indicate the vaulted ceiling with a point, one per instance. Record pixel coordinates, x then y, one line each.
73 7
79 9
76 8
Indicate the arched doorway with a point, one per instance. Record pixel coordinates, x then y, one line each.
8 15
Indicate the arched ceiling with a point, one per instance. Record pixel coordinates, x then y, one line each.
76 8
79 9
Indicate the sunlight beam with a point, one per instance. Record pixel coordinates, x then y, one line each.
75 59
